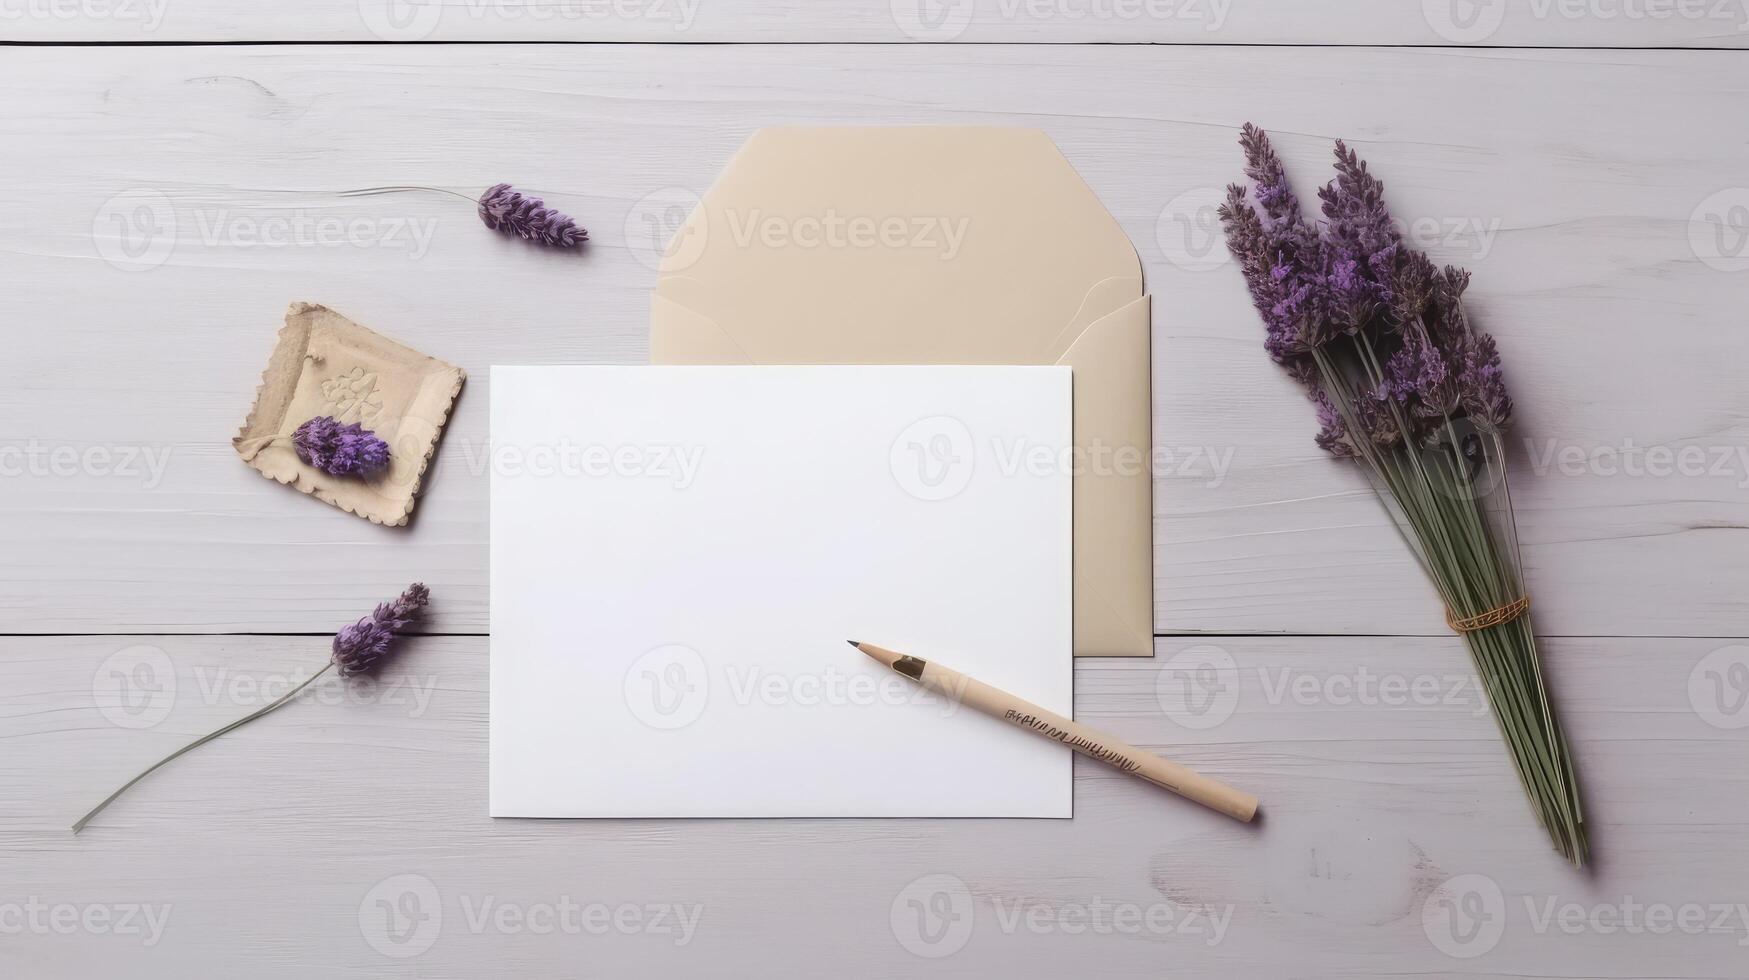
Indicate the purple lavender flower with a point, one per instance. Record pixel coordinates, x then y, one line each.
340 449
1483 385
1332 434
361 647
1362 239
1414 362
1282 255
504 209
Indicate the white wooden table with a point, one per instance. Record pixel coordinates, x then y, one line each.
162 203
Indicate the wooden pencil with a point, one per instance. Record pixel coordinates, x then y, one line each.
1021 713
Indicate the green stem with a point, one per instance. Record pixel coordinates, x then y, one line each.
197 743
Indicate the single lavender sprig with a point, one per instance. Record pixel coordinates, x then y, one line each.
340 449
358 649
361 647
506 210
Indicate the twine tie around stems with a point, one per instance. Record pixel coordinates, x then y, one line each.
1498 616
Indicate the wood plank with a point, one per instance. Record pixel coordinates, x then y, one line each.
1544 23
1581 226
1373 802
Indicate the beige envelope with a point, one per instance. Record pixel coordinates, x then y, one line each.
935 245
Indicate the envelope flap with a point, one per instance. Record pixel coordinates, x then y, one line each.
688 335
993 235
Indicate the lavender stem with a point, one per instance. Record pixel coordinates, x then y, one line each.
283 700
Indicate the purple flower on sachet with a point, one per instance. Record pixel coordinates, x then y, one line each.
340 449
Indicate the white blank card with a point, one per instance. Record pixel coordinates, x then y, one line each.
680 553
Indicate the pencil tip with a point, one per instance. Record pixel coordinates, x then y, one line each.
854 643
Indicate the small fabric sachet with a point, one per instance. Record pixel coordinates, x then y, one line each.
327 365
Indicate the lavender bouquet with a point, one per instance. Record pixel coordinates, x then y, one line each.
1407 388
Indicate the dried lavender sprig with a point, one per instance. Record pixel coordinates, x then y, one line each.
340 449
505 209
358 648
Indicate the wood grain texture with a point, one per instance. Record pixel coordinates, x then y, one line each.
166 204
1382 780
1556 23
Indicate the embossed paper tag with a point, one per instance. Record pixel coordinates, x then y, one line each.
325 364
